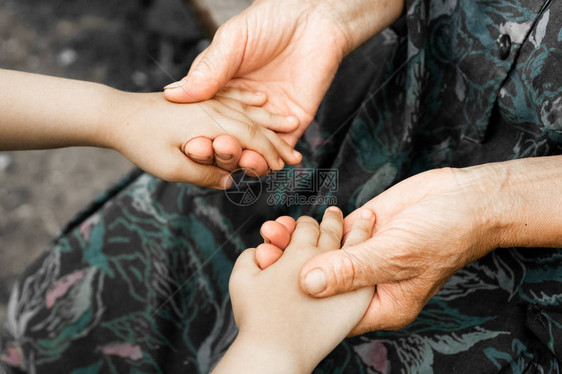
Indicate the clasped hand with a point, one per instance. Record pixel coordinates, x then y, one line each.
281 329
427 227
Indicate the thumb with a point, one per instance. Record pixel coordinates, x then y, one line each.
344 270
213 68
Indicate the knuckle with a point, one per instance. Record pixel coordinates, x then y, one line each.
364 230
306 220
344 273
251 130
205 64
272 118
221 32
332 233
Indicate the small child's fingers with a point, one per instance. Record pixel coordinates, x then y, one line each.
287 153
259 140
331 229
181 169
227 152
253 162
306 233
275 122
275 233
288 222
266 255
245 97
362 229
200 150
348 223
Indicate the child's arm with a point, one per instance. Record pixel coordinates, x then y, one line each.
45 112
281 329
38 112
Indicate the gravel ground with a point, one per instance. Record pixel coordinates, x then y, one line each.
131 45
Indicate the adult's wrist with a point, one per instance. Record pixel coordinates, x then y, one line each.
520 201
359 20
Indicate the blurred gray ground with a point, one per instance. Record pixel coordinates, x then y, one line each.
136 45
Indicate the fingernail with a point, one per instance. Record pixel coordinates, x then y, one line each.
315 282
226 182
224 156
297 154
367 214
177 84
260 93
333 209
199 159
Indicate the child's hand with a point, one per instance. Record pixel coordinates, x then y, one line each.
152 133
276 318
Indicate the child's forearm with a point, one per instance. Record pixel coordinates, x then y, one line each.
249 356
38 112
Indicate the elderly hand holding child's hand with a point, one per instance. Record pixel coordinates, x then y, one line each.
152 132
427 227
283 330
290 50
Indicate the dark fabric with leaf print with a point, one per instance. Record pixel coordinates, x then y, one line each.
138 282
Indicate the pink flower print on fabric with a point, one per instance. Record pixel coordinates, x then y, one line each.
375 355
13 357
62 286
87 225
124 350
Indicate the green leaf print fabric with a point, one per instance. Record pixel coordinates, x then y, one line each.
138 282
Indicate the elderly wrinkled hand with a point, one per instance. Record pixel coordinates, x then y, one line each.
288 50
269 48
427 227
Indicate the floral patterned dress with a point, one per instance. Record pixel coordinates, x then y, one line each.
138 282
